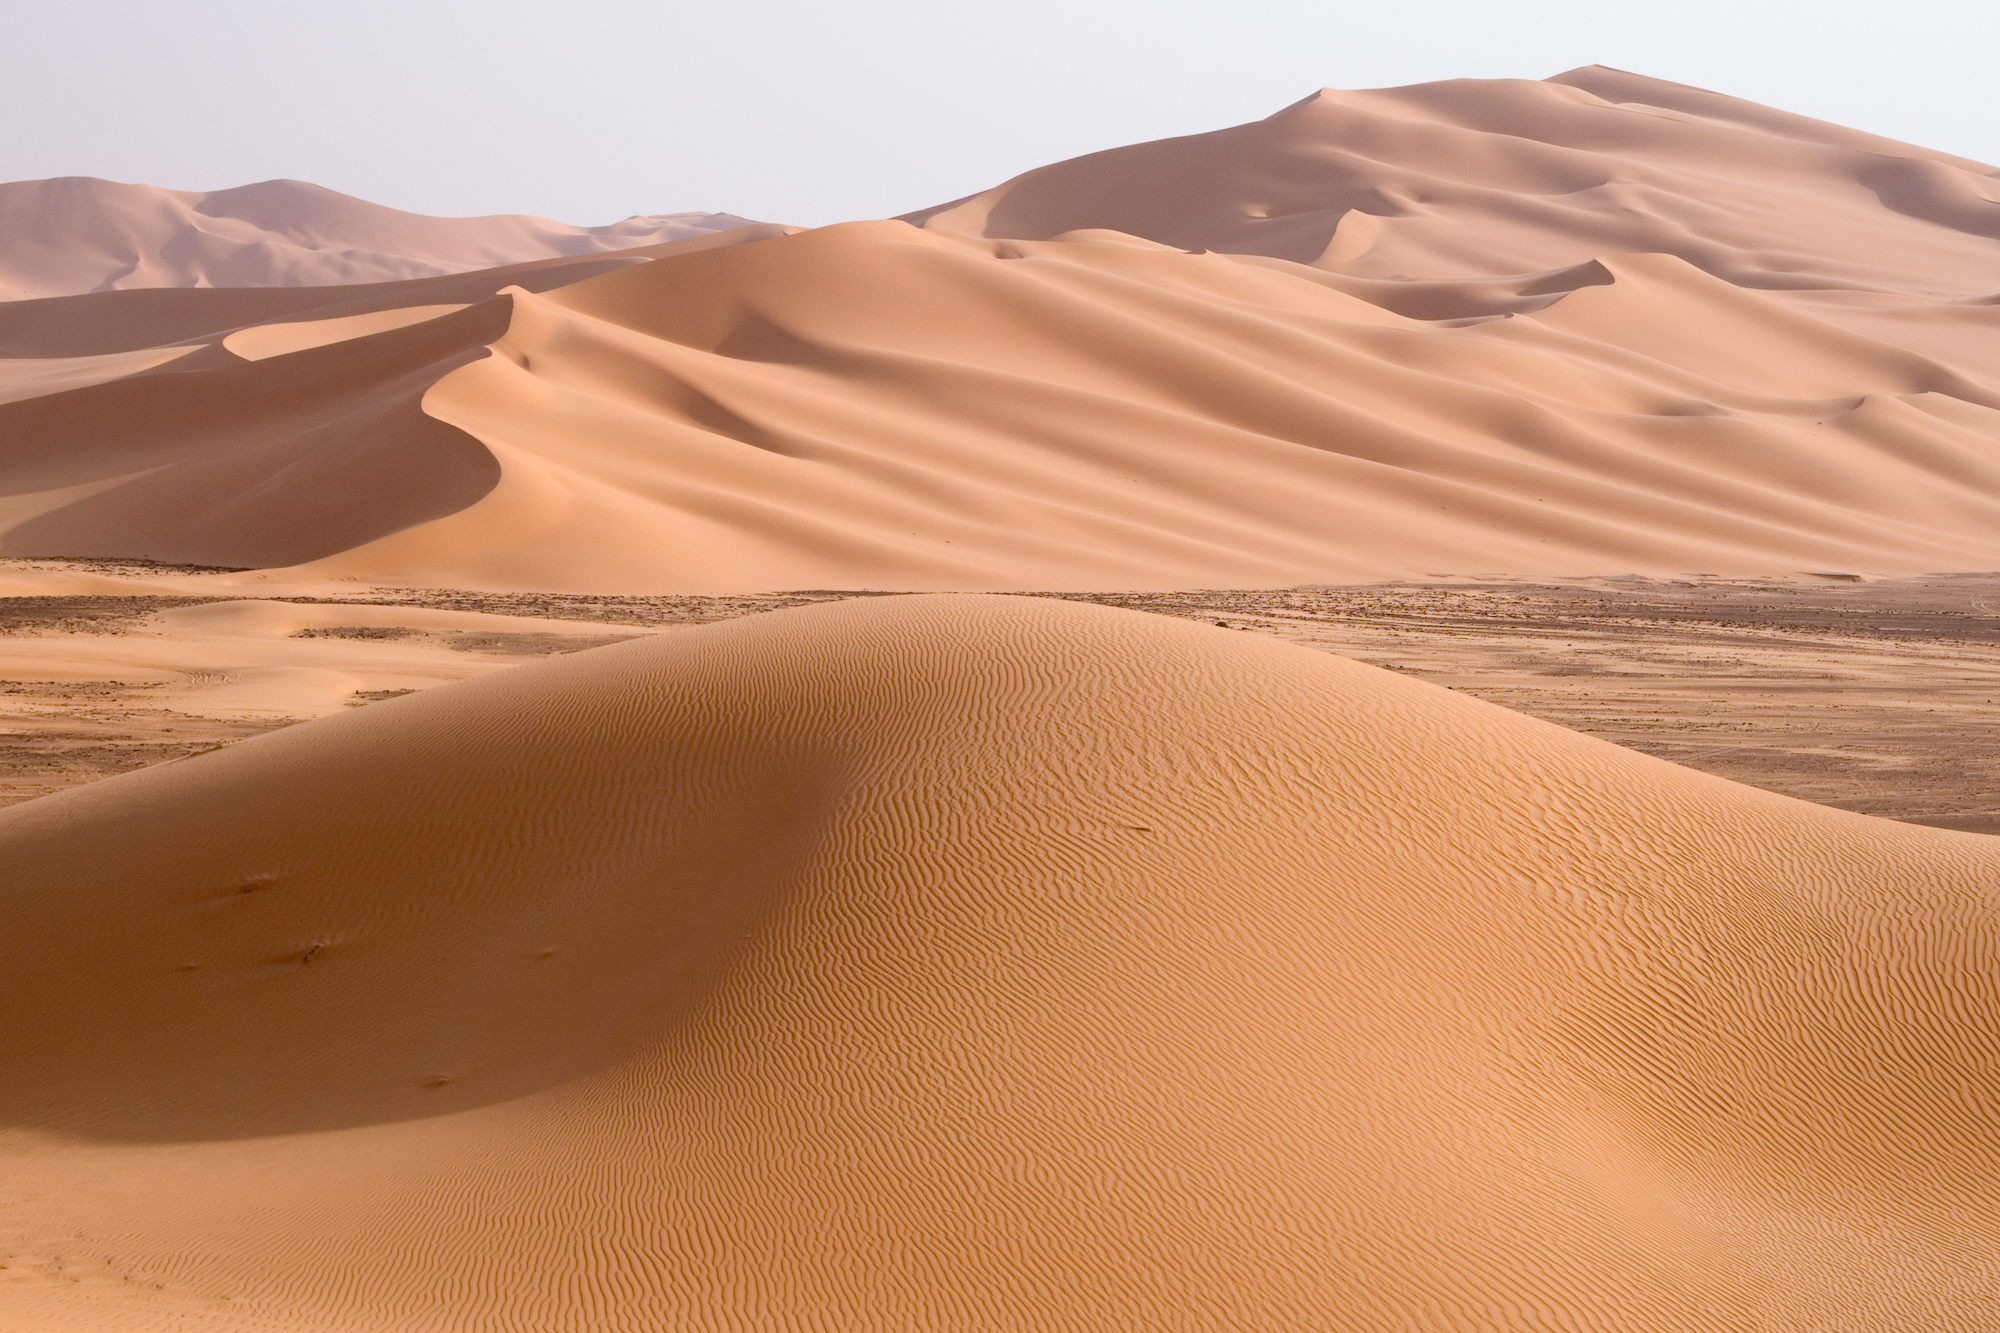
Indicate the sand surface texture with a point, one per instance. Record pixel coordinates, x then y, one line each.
77 234
1596 324
984 963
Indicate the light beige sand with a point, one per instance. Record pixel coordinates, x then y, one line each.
141 318
103 683
1592 325
1438 198
78 234
291 661
985 963
267 340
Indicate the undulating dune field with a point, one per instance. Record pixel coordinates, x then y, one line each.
1596 324
954 961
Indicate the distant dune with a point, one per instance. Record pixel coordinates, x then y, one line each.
1498 178
1601 323
78 234
985 964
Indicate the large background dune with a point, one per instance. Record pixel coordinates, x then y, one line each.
986 964
1482 178
1596 324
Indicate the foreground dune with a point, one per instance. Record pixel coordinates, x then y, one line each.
1595 324
984 963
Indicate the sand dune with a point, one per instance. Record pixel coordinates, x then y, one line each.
872 406
79 234
989 964
147 317
992 963
1596 324
280 441
1490 178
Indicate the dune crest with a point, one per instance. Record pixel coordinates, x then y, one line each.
76 234
1000 963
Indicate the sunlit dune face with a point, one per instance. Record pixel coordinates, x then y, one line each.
1043 960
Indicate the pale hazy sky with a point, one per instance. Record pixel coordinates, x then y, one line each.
790 111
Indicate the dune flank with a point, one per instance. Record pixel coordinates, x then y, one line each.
1594 324
74 234
984 963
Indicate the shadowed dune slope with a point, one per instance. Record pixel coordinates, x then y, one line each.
77 234
241 463
991 964
1596 324
291 426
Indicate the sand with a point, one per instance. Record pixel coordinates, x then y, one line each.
33 377
78 234
1873 696
989 963
970 962
1474 195
1598 324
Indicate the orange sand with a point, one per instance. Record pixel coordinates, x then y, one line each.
985 963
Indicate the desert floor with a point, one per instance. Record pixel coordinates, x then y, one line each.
1875 695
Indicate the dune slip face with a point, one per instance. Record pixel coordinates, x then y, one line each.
1594 324
984 963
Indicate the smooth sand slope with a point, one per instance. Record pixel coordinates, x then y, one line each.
1474 179
984 963
1596 324
79 234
